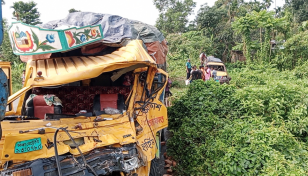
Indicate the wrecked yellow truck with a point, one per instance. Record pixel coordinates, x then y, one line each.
88 107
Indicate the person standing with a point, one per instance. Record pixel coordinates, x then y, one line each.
168 94
207 73
195 74
202 58
201 68
188 68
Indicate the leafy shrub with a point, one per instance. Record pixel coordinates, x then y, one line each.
301 71
257 125
234 65
17 69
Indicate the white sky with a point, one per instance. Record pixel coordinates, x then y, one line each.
141 10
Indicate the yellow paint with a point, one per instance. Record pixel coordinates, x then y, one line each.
57 71
215 63
219 73
109 132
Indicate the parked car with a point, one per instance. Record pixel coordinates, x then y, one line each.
222 73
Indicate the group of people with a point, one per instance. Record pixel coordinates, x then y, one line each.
204 72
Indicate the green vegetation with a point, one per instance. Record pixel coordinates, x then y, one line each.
26 12
17 69
257 125
8 55
173 17
6 47
278 37
73 10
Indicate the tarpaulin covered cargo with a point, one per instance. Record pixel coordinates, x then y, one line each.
213 59
112 30
115 28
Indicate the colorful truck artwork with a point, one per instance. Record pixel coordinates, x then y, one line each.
32 40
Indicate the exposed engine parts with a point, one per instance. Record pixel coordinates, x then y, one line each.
104 161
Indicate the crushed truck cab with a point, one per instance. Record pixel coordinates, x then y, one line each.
87 115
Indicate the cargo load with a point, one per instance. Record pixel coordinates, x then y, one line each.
84 34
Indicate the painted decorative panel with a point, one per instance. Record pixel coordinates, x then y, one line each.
32 40
76 37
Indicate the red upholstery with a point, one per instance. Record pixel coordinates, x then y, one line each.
108 100
76 98
40 107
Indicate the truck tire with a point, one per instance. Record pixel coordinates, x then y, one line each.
156 167
157 164
163 133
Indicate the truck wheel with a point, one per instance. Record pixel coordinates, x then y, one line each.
158 163
163 134
156 167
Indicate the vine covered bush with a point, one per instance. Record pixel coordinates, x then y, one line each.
257 129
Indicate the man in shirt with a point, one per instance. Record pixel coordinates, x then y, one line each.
195 74
194 68
188 69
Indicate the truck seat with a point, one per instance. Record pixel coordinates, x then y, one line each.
76 98
37 107
102 101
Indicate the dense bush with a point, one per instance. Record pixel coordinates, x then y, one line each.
257 125
17 69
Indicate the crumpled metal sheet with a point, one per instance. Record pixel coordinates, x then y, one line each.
104 161
115 28
3 93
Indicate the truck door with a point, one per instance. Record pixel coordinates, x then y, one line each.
3 93
6 68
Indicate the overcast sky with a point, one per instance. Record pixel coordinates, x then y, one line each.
141 10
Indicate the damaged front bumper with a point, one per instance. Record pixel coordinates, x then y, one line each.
104 161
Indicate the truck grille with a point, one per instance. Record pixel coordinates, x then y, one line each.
104 161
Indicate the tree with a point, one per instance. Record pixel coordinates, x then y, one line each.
244 26
188 45
6 47
173 17
26 12
266 23
209 17
216 22
299 9
72 10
